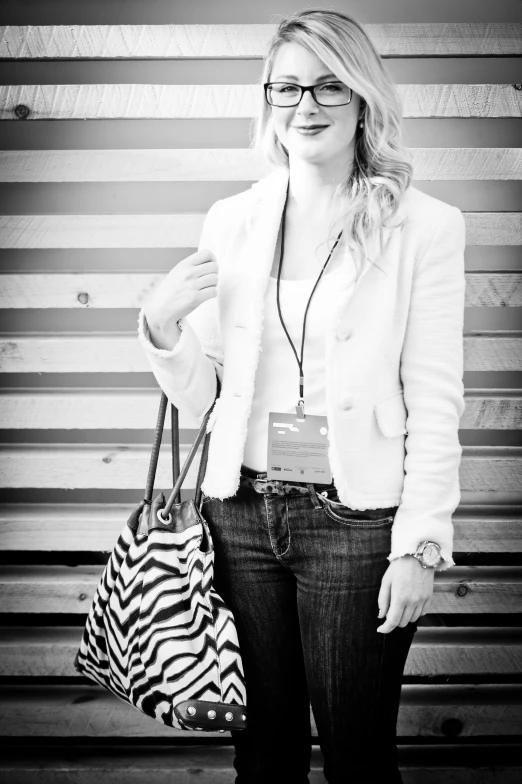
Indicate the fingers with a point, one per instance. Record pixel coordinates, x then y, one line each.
210 279
384 596
426 606
393 619
403 615
202 256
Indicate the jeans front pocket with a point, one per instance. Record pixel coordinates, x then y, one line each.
366 518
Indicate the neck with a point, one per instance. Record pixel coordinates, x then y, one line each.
311 187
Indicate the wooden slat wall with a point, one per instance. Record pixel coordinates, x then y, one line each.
102 194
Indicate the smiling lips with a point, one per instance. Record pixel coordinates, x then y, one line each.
309 130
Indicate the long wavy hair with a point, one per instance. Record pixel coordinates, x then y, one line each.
382 169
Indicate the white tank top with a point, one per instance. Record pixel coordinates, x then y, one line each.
277 375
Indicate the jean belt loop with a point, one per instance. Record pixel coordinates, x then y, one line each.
313 494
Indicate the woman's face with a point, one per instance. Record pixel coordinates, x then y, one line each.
335 141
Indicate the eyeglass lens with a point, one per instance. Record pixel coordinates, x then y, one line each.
328 94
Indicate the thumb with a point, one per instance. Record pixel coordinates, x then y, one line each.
384 596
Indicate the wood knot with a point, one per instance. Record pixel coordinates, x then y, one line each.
22 111
451 727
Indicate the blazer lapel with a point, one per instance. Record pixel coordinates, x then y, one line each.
264 223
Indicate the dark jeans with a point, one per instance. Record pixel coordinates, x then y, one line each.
302 579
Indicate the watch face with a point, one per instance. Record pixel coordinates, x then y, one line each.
430 555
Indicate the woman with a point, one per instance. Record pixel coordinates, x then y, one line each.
337 234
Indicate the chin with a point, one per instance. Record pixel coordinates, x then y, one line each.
308 150
311 156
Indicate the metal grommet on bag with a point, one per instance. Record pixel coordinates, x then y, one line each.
162 519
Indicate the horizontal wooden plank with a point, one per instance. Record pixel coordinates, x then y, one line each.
491 409
183 230
62 589
175 165
89 527
493 228
113 231
169 764
127 290
108 466
90 712
49 652
122 353
490 468
125 466
493 290
492 351
101 409
167 101
246 40
136 409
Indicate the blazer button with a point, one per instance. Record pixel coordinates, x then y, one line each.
346 402
343 333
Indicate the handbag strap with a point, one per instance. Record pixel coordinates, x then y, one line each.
177 475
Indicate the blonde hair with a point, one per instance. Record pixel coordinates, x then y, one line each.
382 169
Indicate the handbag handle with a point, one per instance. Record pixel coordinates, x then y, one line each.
177 476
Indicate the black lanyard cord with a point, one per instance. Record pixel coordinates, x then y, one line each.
299 362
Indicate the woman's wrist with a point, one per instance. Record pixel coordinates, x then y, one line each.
161 335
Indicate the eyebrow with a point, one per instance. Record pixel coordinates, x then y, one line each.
293 77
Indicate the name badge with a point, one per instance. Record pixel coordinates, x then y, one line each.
298 449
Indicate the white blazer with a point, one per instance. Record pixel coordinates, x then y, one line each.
393 353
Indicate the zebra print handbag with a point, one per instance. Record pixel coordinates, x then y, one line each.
157 635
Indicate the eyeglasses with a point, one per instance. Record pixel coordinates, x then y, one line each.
327 94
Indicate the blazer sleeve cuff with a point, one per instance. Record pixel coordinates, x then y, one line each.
150 348
184 373
405 540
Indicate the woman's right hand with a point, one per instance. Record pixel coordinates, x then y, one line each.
192 281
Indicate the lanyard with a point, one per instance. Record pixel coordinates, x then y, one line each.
300 405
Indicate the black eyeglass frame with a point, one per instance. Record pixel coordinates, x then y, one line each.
304 89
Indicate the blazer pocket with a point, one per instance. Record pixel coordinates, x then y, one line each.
391 414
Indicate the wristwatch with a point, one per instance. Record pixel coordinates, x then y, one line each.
428 554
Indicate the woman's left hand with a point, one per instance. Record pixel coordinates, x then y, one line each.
406 591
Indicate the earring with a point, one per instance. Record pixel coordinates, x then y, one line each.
361 124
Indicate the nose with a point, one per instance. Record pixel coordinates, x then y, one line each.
307 103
